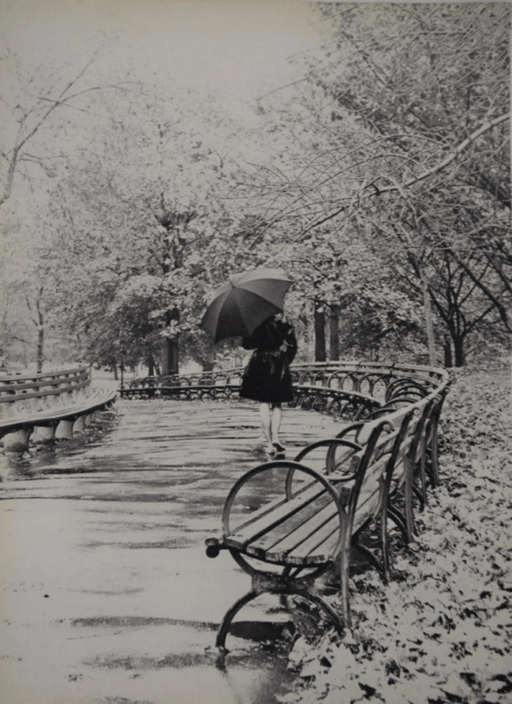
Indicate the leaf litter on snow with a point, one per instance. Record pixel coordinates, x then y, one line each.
442 632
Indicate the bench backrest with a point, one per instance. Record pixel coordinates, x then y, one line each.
18 393
389 453
308 521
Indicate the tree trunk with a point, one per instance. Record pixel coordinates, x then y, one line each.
429 326
447 348
175 356
166 357
458 348
320 349
334 337
456 355
171 348
40 343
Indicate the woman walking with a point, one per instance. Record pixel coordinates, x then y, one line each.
267 377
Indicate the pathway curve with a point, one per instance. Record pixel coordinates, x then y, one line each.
107 596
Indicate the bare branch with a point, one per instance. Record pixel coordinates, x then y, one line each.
15 154
400 187
458 150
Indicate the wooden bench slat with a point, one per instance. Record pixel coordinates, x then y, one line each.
253 530
295 531
291 533
13 387
289 530
271 506
39 394
97 400
319 543
319 532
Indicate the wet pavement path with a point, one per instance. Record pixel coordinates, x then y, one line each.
107 596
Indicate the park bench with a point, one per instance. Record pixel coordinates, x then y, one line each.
288 522
291 523
54 404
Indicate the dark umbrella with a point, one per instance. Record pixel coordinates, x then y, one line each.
245 301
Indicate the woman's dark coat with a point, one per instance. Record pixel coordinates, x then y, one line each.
267 376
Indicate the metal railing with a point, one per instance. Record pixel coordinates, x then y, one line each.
350 390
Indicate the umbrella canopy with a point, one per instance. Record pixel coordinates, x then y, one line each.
245 301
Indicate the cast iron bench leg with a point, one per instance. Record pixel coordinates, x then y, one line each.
230 614
292 590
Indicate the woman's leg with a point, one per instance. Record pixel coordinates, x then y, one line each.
266 424
277 415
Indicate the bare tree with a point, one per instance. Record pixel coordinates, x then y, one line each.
410 135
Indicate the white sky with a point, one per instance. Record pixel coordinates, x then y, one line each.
240 45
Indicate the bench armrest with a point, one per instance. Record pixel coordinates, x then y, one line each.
289 469
334 460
